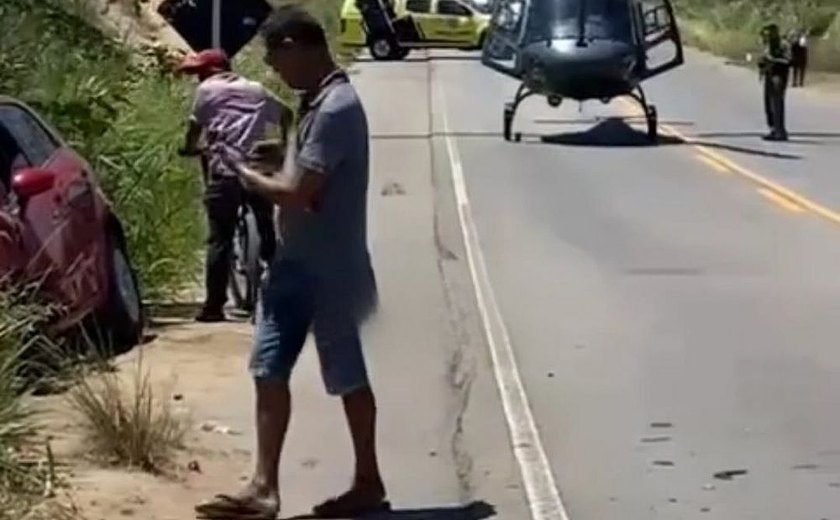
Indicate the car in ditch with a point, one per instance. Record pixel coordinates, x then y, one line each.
58 229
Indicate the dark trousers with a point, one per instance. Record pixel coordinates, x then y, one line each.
799 74
798 65
222 201
775 88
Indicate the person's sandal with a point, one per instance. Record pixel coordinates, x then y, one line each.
225 507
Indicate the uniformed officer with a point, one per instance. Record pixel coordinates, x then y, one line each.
774 67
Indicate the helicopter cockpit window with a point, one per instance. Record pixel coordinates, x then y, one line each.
561 19
508 17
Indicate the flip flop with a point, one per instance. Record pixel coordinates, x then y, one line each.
338 508
226 507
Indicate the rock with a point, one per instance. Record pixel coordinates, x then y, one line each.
667 463
709 487
661 425
194 466
393 188
730 473
178 397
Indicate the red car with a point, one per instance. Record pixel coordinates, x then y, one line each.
57 227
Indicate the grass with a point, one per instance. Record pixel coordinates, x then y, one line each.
125 115
125 422
731 28
27 469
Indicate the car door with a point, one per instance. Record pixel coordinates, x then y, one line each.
419 13
12 259
59 231
454 23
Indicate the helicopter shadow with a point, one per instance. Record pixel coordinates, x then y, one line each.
616 132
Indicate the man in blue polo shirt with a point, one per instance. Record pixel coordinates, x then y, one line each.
322 276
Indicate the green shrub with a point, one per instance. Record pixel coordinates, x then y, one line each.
731 27
22 483
125 116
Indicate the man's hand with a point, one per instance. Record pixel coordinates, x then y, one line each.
267 154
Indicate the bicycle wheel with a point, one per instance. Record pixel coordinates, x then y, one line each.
245 264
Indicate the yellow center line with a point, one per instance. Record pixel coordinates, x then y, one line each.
780 192
713 164
781 201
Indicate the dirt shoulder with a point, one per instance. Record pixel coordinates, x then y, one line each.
195 368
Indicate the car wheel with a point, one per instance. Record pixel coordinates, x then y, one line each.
124 314
382 49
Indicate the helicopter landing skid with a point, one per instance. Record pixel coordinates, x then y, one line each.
651 115
522 94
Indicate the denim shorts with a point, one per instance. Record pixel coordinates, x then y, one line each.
290 307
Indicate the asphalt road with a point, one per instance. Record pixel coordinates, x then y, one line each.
671 309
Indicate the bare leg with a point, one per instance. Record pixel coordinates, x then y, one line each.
261 497
368 491
273 412
360 408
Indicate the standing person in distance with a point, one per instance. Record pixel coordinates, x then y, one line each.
799 57
774 67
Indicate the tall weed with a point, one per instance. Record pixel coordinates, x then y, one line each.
125 420
26 472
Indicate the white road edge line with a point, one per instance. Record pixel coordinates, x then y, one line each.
543 497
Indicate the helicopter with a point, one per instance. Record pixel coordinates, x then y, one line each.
580 50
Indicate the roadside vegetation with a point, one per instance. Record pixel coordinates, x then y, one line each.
28 475
124 111
126 422
731 27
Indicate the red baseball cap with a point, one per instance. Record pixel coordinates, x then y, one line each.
210 60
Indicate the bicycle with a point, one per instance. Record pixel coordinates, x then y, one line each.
246 266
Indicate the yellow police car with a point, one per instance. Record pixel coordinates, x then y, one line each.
418 24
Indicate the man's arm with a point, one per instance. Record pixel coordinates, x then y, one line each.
193 136
197 120
303 194
320 154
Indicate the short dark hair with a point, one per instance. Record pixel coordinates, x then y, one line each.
293 25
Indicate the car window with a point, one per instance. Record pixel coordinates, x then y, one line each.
419 6
32 140
452 8
11 159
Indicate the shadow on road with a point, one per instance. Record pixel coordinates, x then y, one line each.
616 132
475 511
795 137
